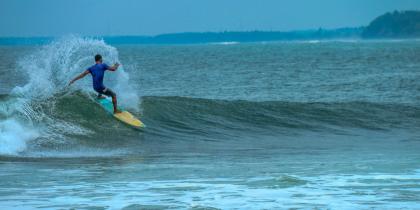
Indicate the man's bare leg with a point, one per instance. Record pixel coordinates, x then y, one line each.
114 102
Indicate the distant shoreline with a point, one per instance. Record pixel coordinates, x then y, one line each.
390 26
206 37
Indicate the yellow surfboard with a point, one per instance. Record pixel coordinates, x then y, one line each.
125 116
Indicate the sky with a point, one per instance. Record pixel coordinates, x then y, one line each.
25 18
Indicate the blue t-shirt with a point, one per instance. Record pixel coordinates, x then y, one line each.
97 71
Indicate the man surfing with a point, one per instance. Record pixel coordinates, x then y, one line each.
97 71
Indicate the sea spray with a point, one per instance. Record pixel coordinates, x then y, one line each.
50 69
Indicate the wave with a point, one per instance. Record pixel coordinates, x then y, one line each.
74 119
183 114
193 113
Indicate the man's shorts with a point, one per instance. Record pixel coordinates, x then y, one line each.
107 92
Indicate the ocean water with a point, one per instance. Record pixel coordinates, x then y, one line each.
287 125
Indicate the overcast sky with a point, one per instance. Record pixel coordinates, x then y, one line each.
150 17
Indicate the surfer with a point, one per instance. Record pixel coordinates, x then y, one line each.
97 71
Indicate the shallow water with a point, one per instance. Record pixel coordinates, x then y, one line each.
241 126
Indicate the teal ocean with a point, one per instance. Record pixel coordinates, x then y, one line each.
270 125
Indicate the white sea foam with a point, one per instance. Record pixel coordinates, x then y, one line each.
325 192
14 137
225 43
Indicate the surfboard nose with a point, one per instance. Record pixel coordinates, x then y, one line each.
129 119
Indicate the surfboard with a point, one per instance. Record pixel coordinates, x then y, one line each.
125 116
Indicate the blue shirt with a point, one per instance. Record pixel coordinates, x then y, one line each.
97 71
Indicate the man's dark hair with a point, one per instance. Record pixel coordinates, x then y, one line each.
98 57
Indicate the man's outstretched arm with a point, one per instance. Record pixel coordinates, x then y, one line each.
114 67
80 76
